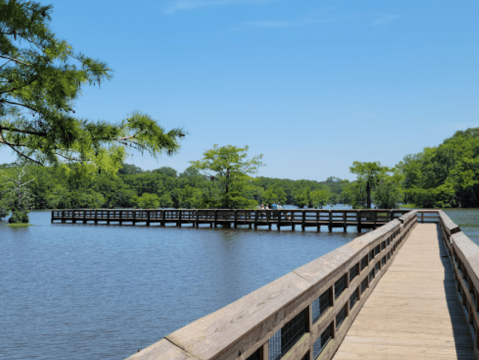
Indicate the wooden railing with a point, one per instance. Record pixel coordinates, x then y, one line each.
302 315
464 256
252 218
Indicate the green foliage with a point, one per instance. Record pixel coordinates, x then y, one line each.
229 166
388 193
41 76
446 175
368 174
147 201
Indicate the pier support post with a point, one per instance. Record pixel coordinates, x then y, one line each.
330 225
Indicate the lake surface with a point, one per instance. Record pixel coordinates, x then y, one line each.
75 291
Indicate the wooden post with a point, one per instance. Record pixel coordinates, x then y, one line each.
279 220
318 225
180 212
330 225
163 218
292 222
96 216
197 218
148 217
216 218
344 220
121 217
235 212
359 220
51 220
303 221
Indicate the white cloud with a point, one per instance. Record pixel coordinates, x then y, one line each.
189 5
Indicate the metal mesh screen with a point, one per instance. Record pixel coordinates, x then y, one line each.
377 267
322 341
340 317
371 255
383 261
371 275
257 355
364 285
364 262
339 286
383 245
353 272
353 299
321 304
377 250
285 338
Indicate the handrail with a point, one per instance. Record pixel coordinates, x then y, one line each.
225 217
464 256
319 301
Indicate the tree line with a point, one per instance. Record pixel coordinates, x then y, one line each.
132 187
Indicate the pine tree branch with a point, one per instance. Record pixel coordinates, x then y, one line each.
12 146
17 104
20 87
15 60
36 133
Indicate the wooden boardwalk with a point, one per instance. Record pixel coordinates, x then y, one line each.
414 312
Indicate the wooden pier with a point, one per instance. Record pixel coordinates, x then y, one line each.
403 291
361 219
413 313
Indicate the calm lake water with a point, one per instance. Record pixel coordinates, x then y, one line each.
74 291
96 291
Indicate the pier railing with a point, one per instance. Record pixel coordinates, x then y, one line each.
214 217
302 315
464 256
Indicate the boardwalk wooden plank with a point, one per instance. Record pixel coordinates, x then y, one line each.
413 313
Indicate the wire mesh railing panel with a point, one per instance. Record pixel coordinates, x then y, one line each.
321 304
287 336
353 272
339 286
364 262
364 285
256 355
353 299
322 341
340 317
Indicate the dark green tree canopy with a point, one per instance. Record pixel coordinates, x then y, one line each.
41 76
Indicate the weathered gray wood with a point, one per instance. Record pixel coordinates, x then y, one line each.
162 349
410 312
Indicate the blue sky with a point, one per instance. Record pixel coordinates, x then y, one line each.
311 85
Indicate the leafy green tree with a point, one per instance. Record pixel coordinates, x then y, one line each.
147 201
368 174
321 197
229 166
40 78
389 190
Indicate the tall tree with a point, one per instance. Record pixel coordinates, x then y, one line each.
368 173
230 167
40 78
